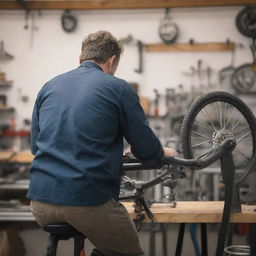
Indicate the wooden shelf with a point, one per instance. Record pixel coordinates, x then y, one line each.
15 186
5 56
188 47
23 157
21 133
4 84
6 108
118 4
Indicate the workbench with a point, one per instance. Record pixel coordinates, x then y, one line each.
196 212
185 212
23 157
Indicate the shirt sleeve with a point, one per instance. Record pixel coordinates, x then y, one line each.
34 128
136 130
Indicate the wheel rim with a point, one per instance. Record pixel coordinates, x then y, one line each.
217 121
244 79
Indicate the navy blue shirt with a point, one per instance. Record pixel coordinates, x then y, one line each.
78 124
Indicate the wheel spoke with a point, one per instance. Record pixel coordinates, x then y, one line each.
209 119
242 155
220 114
246 128
201 135
243 136
207 153
216 107
235 125
202 125
224 115
231 118
199 144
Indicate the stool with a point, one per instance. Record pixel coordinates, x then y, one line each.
64 231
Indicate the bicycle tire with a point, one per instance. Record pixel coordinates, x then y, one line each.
201 103
242 22
243 87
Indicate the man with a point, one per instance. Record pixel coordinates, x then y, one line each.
78 124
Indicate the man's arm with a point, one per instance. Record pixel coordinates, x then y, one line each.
34 129
144 143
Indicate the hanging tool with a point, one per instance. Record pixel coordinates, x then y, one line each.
227 71
199 73
168 30
3 53
34 28
156 103
26 19
23 5
209 74
129 40
140 50
68 22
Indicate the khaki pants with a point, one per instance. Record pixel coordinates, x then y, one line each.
108 226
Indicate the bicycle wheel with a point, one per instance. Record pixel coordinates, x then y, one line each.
213 118
243 79
246 21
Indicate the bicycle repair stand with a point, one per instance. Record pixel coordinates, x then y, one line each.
232 203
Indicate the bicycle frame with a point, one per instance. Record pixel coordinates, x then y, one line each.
222 152
134 164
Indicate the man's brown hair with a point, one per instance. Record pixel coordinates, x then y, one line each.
100 46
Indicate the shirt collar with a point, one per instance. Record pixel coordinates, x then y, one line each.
90 64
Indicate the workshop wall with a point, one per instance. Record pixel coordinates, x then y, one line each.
49 51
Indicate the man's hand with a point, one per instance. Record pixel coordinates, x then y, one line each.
128 152
169 152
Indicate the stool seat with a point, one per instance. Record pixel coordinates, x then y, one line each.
64 231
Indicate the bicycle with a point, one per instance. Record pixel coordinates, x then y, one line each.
217 126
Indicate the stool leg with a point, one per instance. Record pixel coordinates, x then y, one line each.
152 240
79 246
252 237
52 245
180 239
164 238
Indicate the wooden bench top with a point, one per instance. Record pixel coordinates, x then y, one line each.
24 157
196 212
186 211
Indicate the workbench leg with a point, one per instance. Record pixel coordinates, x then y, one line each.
164 238
252 238
204 245
152 240
230 234
180 240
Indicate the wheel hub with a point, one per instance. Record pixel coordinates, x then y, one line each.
219 136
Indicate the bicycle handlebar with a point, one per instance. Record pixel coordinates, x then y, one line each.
132 163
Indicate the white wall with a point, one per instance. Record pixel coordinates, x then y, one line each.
53 51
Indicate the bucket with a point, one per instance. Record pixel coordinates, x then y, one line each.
242 250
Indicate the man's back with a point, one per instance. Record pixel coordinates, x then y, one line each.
78 145
78 124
